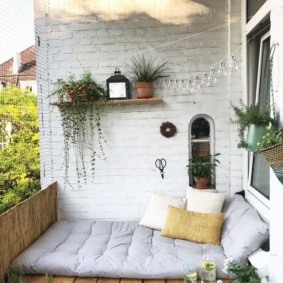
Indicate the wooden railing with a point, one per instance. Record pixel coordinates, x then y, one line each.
23 224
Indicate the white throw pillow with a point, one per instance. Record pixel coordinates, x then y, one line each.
204 202
156 211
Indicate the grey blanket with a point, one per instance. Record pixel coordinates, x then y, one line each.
112 249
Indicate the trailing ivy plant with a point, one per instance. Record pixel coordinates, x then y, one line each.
81 103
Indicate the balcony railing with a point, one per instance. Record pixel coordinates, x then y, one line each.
23 224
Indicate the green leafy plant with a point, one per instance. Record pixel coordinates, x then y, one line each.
203 166
271 138
17 276
77 90
244 274
81 103
252 114
19 159
147 70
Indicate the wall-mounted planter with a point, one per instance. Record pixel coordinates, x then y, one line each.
255 132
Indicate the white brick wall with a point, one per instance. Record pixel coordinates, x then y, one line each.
97 42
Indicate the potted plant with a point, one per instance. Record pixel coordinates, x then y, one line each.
244 274
271 145
254 120
78 90
81 103
144 72
201 168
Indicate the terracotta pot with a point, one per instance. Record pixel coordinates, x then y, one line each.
201 183
144 89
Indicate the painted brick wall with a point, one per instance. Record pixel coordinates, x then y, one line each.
101 37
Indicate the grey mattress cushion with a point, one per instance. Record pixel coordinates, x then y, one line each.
112 249
243 231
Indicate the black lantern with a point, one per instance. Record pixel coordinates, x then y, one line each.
118 86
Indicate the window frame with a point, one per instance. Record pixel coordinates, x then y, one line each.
259 201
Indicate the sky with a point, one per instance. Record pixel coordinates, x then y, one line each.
17 27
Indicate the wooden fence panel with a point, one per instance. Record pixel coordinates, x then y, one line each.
23 224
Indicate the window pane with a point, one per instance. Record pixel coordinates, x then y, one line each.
264 84
260 175
200 149
200 129
253 6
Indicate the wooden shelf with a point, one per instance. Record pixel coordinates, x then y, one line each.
154 100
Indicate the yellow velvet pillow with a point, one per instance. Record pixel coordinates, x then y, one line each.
193 226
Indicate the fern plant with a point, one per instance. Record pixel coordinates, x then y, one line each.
252 114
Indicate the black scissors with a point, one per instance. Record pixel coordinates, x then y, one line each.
161 164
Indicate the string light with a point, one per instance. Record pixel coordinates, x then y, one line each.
234 66
206 79
222 72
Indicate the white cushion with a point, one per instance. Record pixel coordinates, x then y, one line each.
204 202
156 211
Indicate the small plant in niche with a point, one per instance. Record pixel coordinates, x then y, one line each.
201 168
81 103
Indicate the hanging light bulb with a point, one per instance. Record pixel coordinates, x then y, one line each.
163 83
190 86
234 66
197 82
205 81
182 84
212 77
222 69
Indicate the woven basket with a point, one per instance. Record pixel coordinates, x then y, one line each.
274 156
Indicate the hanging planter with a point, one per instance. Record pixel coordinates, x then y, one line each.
254 135
252 122
81 103
271 146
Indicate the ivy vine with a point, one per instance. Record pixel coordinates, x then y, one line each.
81 103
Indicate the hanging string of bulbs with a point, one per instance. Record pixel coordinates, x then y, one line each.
203 80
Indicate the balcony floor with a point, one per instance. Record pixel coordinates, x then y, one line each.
66 279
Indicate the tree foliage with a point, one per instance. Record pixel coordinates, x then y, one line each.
19 160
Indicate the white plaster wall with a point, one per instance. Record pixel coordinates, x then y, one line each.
95 37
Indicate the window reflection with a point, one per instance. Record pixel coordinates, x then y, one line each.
260 175
200 129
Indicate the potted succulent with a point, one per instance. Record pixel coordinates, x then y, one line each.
201 168
144 72
271 145
254 120
81 103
